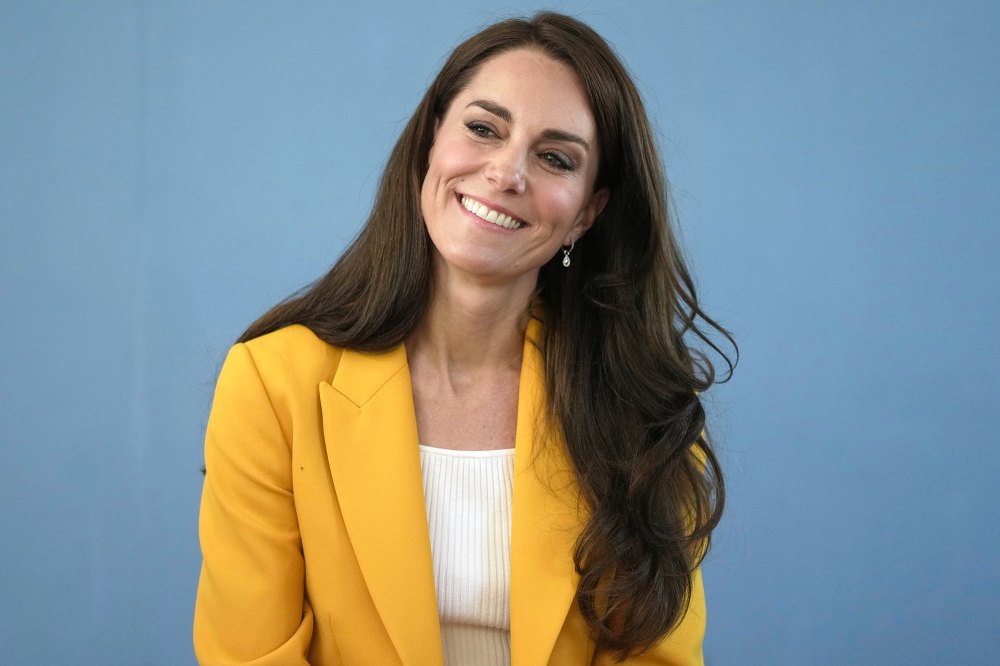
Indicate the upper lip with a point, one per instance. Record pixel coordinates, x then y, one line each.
494 206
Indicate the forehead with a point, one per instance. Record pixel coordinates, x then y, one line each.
536 88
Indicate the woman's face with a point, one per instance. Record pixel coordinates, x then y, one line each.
511 172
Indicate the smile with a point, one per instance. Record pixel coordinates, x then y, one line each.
490 215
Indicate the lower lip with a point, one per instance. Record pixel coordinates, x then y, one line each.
483 223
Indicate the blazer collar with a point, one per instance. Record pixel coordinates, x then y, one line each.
546 519
371 437
370 429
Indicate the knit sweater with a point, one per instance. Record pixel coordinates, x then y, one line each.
468 496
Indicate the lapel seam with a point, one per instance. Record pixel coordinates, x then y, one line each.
361 401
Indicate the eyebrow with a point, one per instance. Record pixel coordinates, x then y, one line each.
504 114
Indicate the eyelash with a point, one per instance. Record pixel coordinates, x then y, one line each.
554 160
558 161
481 130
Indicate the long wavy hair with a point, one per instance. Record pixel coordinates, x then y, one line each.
621 379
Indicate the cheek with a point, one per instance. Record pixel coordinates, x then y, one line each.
562 204
447 164
452 158
437 173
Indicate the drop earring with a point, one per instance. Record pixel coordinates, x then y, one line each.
566 261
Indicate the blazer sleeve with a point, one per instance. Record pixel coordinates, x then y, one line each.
251 606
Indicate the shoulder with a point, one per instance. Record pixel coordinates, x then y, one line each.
293 352
278 373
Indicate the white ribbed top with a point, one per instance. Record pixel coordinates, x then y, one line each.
468 496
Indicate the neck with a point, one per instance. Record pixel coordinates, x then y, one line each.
471 327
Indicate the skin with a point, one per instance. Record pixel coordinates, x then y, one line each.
520 138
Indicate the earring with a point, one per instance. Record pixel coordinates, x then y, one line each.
566 252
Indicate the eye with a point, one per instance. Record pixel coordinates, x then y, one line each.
558 161
480 129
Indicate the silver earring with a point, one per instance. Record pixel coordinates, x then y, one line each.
566 252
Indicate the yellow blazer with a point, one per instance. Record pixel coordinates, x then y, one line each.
313 524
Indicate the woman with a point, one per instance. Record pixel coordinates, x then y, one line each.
478 438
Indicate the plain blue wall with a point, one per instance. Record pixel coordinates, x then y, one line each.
169 170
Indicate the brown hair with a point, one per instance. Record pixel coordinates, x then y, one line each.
622 382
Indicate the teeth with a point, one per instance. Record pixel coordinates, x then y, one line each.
490 215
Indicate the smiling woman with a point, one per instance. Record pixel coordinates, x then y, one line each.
522 120
479 438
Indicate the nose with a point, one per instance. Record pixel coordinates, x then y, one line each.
506 169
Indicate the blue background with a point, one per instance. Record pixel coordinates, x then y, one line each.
169 170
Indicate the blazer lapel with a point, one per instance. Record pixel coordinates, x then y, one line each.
370 429
546 520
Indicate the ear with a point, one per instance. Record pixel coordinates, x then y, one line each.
590 212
